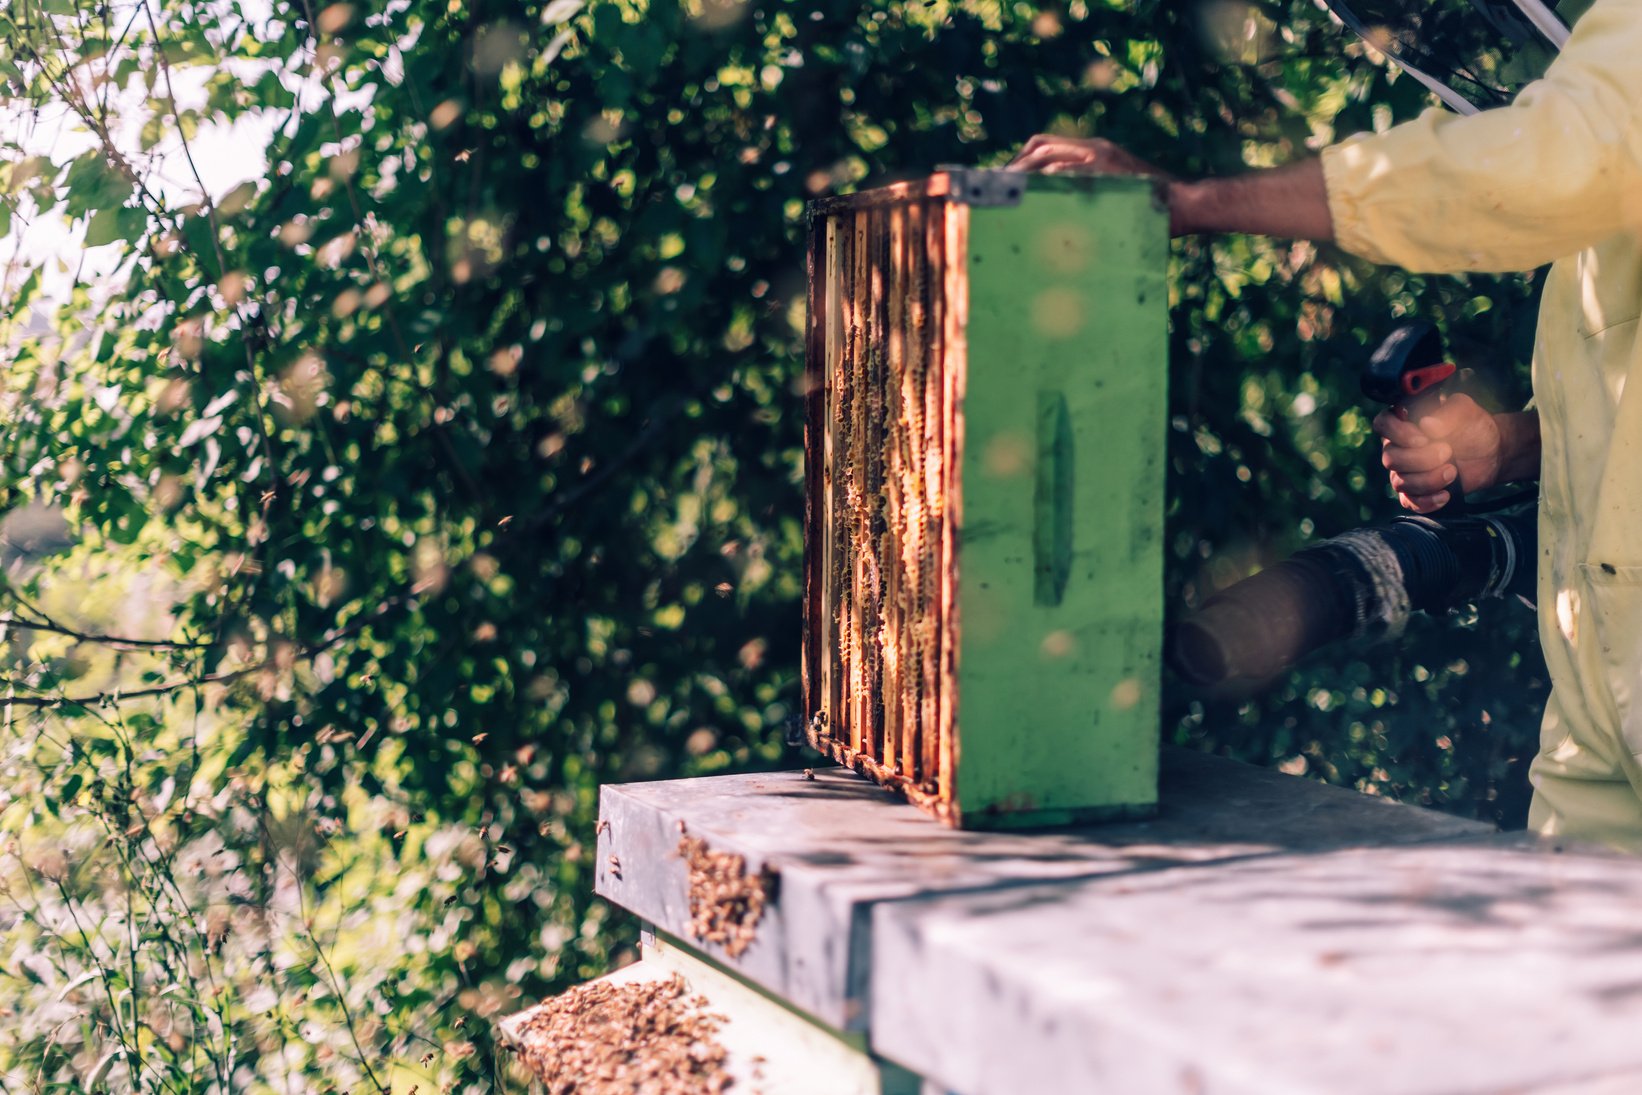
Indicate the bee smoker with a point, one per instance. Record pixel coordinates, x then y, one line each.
1362 584
1366 582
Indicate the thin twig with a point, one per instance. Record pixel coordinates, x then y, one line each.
117 696
117 642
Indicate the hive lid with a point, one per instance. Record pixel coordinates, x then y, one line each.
841 846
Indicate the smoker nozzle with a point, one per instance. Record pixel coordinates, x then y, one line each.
1262 624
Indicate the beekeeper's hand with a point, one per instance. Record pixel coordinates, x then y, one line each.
1052 155
1290 201
1456 440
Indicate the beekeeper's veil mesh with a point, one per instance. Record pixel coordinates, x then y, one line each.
1473 54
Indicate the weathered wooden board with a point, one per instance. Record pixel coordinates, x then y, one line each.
1483 965
841 845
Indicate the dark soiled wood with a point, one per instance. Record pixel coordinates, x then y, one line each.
954 362
911 191
843 455
935 464
914 375
859 522
825 612
814 465
937 805
877 409
895 608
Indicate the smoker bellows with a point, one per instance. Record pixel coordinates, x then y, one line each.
985 433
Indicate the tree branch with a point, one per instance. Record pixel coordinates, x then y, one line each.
116 642
44 622
332 638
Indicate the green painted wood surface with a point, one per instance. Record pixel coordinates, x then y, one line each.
1061 556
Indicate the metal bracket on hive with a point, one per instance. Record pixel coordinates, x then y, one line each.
984 186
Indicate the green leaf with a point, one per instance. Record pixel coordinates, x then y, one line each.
91 184
117 224
200 238
237 199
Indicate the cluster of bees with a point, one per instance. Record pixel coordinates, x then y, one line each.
726 900
602 1038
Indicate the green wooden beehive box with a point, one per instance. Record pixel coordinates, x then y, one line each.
985 430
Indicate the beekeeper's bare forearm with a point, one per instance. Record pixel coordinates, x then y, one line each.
1519 446
1290 202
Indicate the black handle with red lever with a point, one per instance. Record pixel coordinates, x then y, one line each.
1408 373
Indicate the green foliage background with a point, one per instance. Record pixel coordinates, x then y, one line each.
452 468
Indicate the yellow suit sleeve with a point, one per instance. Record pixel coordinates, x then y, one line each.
1513 188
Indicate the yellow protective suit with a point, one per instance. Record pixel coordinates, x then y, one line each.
1556 176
